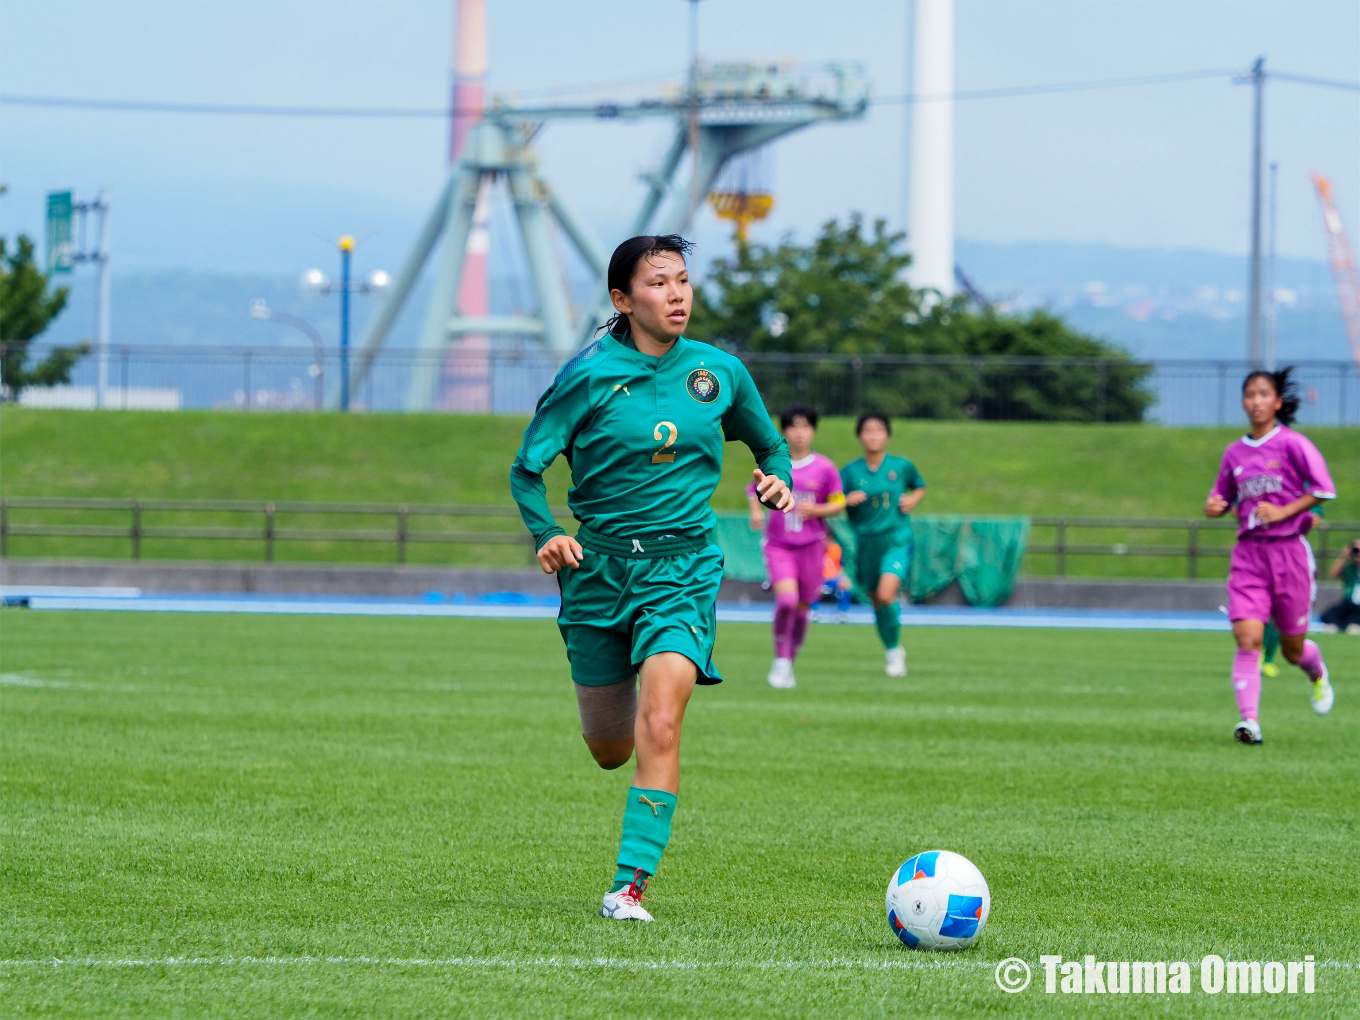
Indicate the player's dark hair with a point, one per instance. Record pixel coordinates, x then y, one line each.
1285 388
872 416
787 415
623 264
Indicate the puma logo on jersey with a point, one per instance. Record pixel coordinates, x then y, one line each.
620 386
653 804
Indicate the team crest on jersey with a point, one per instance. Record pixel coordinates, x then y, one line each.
703 385
892 476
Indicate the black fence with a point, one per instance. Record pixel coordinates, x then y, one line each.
346 532
509 381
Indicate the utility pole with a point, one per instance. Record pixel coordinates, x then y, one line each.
694 196
1255 354
1272 309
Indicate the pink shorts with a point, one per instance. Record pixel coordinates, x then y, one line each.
1273 580
801 563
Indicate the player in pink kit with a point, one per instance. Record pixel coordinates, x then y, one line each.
795 543
1275 476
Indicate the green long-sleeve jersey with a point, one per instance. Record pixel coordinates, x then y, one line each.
644 438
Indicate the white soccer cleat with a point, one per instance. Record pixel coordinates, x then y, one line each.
626 904
781 674
895 661
1323 695
1248 731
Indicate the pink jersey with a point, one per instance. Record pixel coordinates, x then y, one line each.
815 480
1278 468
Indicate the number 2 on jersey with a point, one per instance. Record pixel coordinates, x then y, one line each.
672 433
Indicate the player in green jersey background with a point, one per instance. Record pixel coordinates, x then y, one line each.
641 416
881 490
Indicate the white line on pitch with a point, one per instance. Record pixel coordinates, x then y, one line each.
570 963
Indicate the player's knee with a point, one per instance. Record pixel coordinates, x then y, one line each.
610 754
660 726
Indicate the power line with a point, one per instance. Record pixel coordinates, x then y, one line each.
1305 79
399 112
1070 86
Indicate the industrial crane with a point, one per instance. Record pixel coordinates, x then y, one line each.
1343 263
735 108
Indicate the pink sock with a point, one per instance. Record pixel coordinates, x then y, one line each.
1311 660
800 626
1246 675
785 613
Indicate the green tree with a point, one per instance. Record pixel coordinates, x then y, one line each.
844 295
26 310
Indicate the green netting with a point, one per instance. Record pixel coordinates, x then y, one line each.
991 558
741 548
982 553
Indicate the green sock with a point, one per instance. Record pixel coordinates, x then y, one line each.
1272 643
646 831
889 623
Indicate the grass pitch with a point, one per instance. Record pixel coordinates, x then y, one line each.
231 816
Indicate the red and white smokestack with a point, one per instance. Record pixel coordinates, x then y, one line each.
469 71
468 389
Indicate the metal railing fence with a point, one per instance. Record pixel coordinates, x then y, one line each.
509 380
1204 539
399 526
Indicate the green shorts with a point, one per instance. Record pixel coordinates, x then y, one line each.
631 599
886 553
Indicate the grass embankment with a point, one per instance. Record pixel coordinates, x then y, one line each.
307 816
971 467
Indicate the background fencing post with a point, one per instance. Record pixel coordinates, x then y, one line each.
1060 547
269 532
401 534
1192 550
136 531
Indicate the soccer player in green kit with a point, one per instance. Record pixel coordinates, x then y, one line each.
641 416
881 491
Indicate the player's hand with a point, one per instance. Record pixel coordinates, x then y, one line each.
772 491
1215 505
1269 513
757 520
856 497
904 503
558 552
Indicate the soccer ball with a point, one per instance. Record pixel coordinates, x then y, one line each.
938 900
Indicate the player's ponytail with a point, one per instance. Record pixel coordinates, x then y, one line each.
623 263
1286 388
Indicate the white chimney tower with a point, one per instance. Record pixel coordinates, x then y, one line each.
930 227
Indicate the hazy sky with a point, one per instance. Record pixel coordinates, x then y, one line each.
1156 166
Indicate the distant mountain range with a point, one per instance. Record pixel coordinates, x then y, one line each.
1155 304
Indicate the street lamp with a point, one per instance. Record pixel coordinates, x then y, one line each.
259 309
314 284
